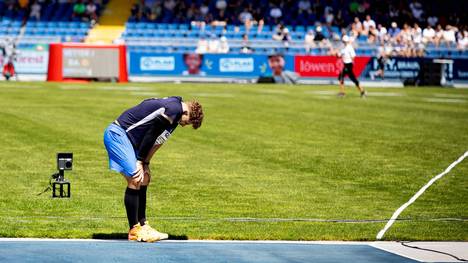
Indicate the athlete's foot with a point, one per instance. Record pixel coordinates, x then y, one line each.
153 233
341 95
138 233
363 94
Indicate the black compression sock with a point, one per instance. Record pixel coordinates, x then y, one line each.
142 205
131 205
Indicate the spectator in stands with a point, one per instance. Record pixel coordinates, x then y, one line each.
320 38
79 9
245 45
282 34
35 11
202 46
309 42
356 27
449 36
416 10
91 11
194 63
213 44
221 5
304 6
417 37
275 13
245 16
382 35
462 42
439 34
277 65
223 45
394 31
367 24
372 34
428 35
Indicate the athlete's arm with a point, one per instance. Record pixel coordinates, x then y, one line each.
158 126
153 150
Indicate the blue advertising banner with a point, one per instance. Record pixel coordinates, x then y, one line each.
460 69
395 68
216 65
252 66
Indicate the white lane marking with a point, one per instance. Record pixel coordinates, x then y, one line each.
444 100
191 241
321 92
418 194
385 94
446 95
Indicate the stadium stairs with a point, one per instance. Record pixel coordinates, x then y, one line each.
112 22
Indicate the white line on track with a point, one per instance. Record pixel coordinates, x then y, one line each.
321 92
446 95
190 241
418 194
385 94
444 100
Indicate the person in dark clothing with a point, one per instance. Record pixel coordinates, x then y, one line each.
131 141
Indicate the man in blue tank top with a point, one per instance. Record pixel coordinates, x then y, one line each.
131 141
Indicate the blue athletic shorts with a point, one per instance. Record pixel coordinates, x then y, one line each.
122 157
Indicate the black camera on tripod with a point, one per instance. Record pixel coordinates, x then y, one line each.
64 161
59 183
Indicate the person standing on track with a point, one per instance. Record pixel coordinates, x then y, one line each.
347 54
131 141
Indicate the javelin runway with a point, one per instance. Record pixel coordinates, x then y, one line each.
49 250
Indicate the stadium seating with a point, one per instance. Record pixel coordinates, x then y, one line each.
58 24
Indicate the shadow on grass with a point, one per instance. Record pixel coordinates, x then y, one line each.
124 236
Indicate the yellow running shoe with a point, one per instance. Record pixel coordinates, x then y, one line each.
153 233
140 234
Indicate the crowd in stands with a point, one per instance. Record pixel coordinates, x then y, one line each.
404 28
331 12
46 10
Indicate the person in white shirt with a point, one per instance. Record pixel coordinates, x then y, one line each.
428 34
35 11
309 42
223 45
347 54
368 23
449 35
463 40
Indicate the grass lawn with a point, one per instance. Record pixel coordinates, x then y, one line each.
289 152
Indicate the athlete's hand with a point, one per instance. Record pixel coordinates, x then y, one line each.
139 175
147 170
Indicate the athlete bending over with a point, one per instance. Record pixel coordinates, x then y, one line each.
131 141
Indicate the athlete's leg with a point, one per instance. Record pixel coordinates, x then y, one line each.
131 201
354 79
142 198
341 80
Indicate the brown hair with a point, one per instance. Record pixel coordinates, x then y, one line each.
196 113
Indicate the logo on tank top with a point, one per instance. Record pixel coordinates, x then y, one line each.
163 137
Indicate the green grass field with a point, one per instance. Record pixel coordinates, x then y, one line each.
288 152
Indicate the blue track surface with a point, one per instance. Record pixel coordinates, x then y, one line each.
119 251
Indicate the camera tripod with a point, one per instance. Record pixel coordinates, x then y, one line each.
58 182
